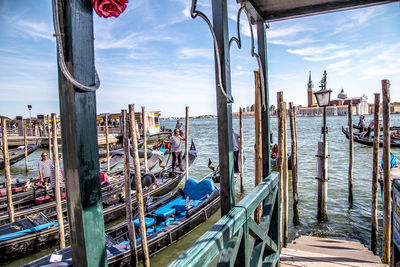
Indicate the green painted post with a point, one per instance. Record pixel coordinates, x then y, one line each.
224 109
265 121
79 142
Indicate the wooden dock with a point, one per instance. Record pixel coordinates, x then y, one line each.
315 251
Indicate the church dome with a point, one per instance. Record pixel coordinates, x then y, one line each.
342 95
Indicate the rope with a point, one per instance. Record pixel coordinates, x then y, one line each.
60 55
194 13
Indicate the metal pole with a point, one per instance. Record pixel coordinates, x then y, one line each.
224 109
79 138
60 217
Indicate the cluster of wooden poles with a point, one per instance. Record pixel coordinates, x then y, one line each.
386 238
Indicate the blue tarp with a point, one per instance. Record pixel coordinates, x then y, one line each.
27 231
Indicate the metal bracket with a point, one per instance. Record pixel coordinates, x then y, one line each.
322 156
322 179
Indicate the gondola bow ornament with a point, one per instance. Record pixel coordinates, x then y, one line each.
109 8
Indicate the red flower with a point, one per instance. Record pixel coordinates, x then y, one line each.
109 8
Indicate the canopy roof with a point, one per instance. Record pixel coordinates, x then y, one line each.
274 10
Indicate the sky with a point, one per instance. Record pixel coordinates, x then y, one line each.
155 55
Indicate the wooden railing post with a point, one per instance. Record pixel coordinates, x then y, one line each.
107 143
60 217
26 149
386 235
144 139
351 154
295 177
187 142
375 176
258 140
10 207
139 197
79 137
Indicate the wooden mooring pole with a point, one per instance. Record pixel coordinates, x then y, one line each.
107 143
258 140
295 177
285 179
10 207
187 142
386 235
139 194
280 163
26 149
49 135
60 217
241 151
375 175
144 138
127 173
351 153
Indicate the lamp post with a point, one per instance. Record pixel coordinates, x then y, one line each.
30 117
323 97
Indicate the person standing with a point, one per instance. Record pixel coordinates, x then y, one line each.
45 166
175 147
179 126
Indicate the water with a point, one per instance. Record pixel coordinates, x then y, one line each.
344 222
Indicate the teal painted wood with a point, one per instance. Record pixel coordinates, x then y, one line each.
79 142
224 237
224 109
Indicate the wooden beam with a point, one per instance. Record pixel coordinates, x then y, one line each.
258 141
49 135
187 142
10 207
79 138
26 148
144 139
295 170
107 143
224 109
375 177
351 154
241 152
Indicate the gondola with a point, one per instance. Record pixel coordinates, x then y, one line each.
154 185
359 127
166 221
369 141
17 155
115 158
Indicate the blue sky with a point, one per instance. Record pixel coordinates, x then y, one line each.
156 55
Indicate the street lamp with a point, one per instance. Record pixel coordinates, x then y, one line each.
30 117
323 97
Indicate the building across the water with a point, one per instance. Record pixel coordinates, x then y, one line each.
338 107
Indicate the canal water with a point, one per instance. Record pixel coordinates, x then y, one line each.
344 222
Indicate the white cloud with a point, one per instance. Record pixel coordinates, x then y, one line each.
187 53
35 29
315 50
338 65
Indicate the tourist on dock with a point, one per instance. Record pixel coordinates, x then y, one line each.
179 126
175 147
45 166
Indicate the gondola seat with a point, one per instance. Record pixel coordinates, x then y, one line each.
149 222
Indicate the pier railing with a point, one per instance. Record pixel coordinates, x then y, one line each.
236 239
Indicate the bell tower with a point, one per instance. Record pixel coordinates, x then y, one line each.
310 92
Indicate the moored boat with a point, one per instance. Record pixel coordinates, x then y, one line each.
369 141
17 155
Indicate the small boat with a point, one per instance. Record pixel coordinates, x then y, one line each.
369 141
167 221
359 127
115 158
154 185
17 155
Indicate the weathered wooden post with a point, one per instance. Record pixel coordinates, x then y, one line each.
139 195
241 153
107 143
295 177
187 142
60 217
10 207
351 153
285 179
49 135
386 235
280 163
258 140
375 176
322 183
144 139
26 149
77 84
127 174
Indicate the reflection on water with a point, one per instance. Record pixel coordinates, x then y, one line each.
344 222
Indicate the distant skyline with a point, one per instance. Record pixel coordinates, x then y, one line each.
156 55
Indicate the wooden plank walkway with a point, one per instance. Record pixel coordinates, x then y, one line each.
16 140
315 251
